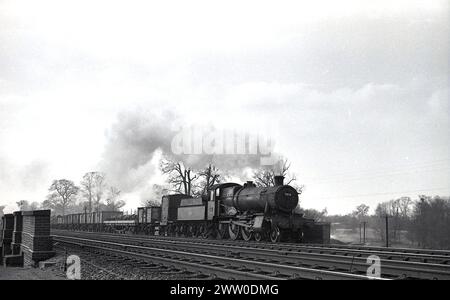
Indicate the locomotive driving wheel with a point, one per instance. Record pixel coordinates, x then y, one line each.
234 231
246 234
258 236
222 231
275 234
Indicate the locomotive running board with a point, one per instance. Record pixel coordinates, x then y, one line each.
257 225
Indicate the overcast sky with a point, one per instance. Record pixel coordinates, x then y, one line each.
356 93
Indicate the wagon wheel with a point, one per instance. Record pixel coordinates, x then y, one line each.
222 231
259 236
275 234
300 236
194 231
177 230
173 231
234 231
203 231
199 230
247 235
169 230
188 230
183 230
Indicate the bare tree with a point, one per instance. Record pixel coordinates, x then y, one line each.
265 177
361 212
26 205
22 205
150 202
405 205
113 201
158 191
87 188
35 205
62 193
396 217
208 177
380 213
391 209
430 224
181 178
99 189
92 188
314 214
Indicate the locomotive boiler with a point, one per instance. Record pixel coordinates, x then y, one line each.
259 199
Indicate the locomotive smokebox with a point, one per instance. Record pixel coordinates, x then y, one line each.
279 180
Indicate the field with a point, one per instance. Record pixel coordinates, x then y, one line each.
352 236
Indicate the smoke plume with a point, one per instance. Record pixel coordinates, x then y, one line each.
138 140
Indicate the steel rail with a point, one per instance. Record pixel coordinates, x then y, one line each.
390 249
245 267
305 248
203 268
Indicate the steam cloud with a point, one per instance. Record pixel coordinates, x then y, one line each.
139 138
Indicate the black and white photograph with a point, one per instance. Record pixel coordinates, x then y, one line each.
224 147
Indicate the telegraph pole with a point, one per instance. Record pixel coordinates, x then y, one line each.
360 238
364 232
387 231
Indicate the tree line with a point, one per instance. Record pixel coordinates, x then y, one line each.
423 222
93 194
185 180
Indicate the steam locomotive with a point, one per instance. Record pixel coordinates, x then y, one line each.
227 211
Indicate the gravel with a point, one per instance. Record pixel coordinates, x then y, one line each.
102 267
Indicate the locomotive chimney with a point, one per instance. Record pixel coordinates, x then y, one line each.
279 180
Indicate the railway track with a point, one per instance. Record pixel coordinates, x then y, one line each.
190 257
294 256
394 254
354 264
445 254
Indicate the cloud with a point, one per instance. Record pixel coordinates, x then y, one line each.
23 181
23 176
